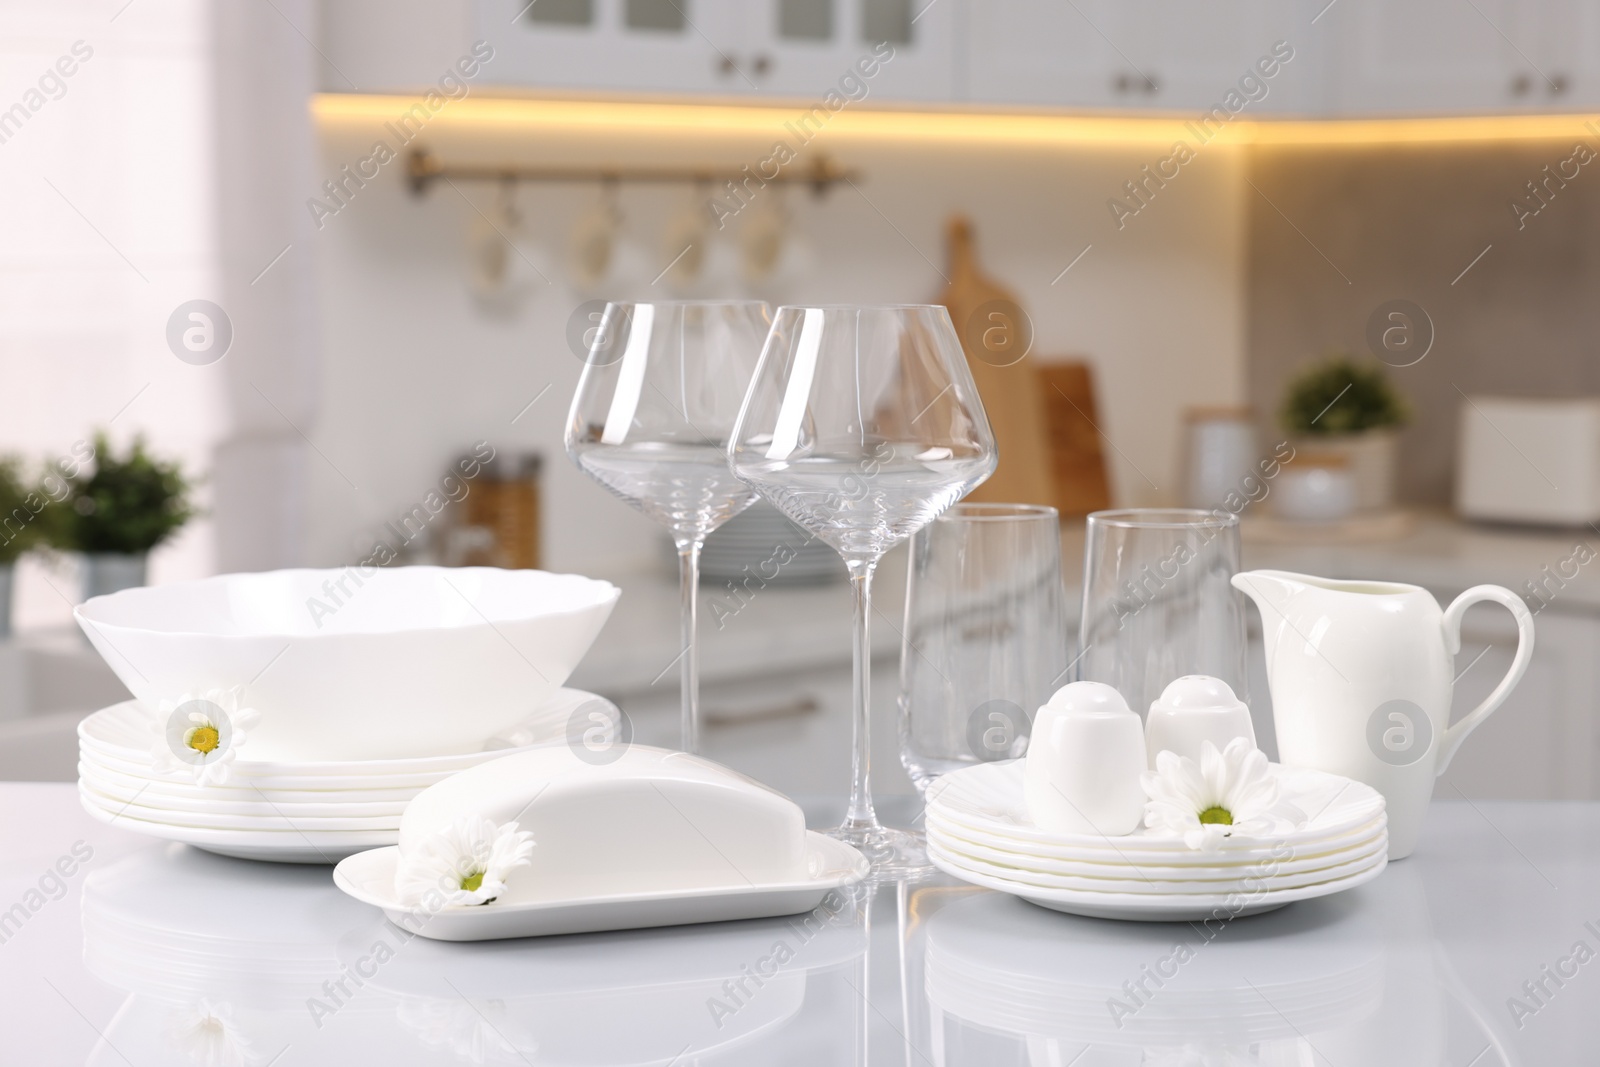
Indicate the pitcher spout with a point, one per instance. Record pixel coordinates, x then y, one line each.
1270 588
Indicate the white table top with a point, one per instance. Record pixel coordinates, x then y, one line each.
152 954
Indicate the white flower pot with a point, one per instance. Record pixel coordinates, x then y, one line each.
111 572
1372 457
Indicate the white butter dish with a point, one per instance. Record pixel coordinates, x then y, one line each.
649 838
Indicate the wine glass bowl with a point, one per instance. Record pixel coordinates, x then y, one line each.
862 425
651 419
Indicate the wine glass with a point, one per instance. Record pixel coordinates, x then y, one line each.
651 419
862 424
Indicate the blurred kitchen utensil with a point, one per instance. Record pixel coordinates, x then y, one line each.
996 335
592 244
1076 462
504 500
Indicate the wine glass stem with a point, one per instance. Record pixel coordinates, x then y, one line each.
861 814
689 662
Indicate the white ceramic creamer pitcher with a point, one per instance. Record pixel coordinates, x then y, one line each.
1361 674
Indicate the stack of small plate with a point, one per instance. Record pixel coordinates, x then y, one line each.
291 812
979 831
761 543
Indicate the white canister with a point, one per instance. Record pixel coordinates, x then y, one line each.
1082 770
1192 709
1220 451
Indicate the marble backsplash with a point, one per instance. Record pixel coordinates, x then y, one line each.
1496 243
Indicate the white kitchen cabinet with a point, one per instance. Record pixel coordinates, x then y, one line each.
1146 55
1042 52
687 46
1448 56
1541 744
801 49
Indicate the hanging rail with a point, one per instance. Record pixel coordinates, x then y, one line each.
423 168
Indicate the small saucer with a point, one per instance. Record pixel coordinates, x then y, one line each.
370 876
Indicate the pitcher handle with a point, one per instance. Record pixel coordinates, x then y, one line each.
1452 637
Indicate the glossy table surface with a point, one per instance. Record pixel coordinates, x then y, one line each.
1482 948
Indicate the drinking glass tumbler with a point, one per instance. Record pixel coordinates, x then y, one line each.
985 640
1157 603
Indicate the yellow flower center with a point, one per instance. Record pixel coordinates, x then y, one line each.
203 739
472 882
1221 816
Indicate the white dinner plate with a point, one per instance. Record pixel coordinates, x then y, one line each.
278 846
1024 867
1153 907
334 783
246 803
1139 881
998 848
122 733
370 876
236 790
267 820
989 797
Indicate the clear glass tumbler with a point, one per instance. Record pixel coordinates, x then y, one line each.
985 640
1157 603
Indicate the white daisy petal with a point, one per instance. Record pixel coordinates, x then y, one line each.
1238 780
468 862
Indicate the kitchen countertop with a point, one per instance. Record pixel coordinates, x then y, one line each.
1479 950
1445 553
1440 552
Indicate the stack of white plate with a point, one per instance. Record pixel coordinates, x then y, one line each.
979 831
288 811
760 542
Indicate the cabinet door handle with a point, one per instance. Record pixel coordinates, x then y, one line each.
1520 85
1151 84
1558 84
726 66
792 709
761 65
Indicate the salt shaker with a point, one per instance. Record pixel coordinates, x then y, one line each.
1192 709
1084 758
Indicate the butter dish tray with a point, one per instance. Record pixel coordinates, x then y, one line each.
370 878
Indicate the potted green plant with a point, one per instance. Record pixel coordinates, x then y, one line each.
115 513
20 504
1347 407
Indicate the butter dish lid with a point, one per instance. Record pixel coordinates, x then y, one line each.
561 822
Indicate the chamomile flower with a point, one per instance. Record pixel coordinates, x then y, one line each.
200 734
467 862
1230 792
206 1033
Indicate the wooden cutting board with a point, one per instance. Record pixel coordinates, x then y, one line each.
1077 458
996 334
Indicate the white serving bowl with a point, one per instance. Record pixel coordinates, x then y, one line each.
414 661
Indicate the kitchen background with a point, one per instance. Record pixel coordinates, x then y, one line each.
377 333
